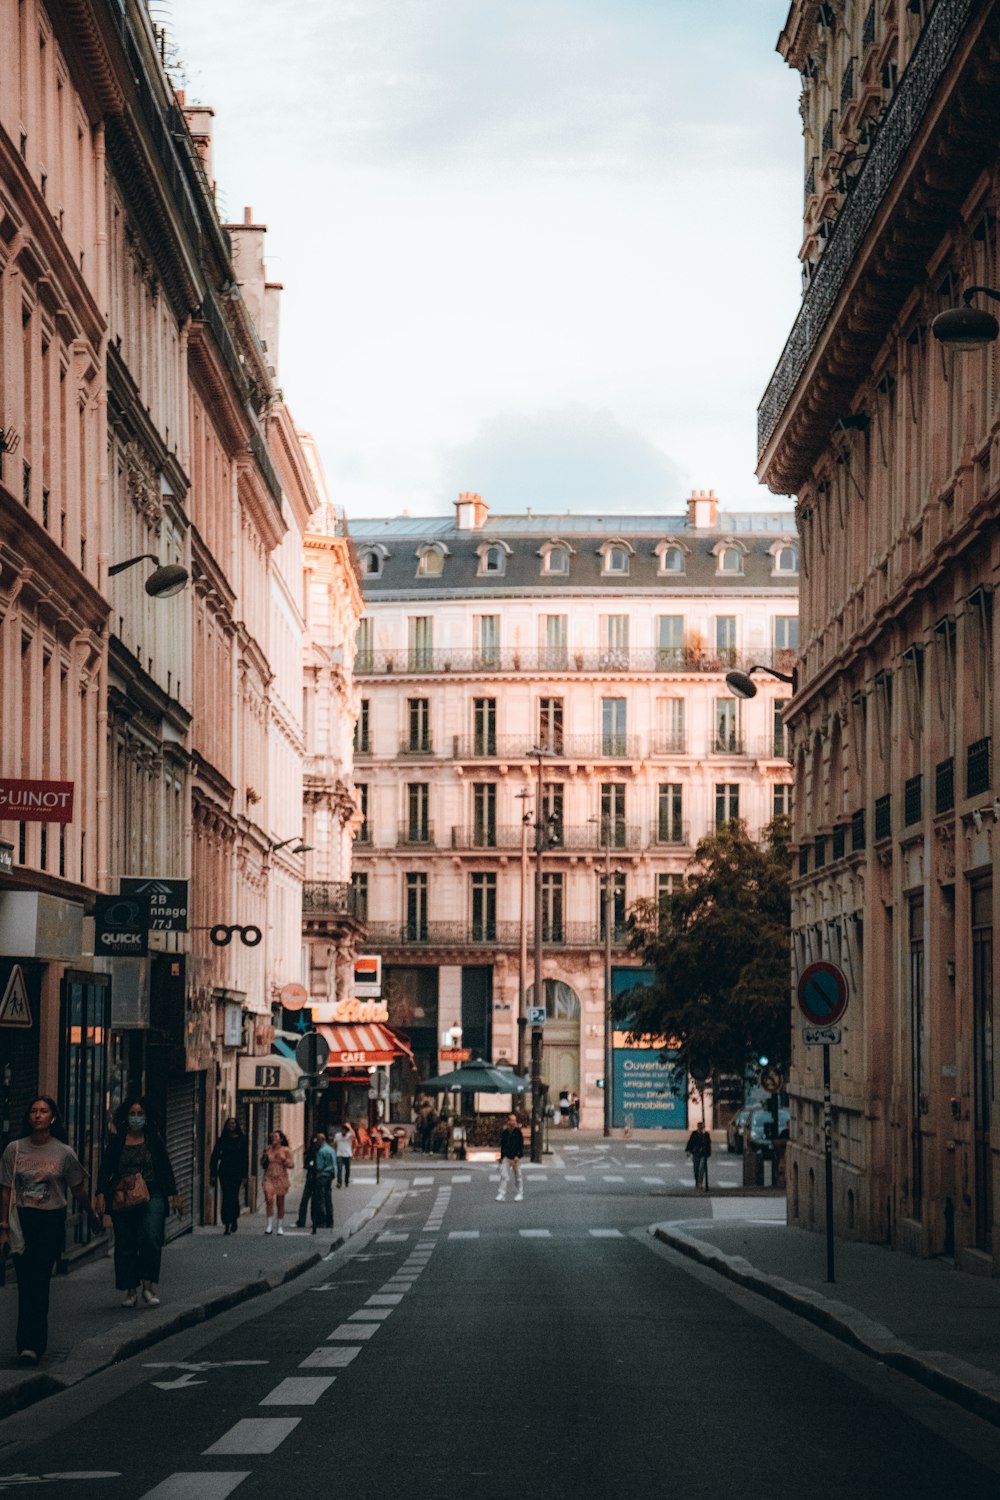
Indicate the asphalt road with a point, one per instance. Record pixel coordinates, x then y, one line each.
549 1348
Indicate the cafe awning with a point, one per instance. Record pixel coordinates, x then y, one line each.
363 1045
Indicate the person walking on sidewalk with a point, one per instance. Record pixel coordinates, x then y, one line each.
135 1184
230 1166
699 1148
343 1144
277 1162
309 1163
324 1167
38 1172
511 1152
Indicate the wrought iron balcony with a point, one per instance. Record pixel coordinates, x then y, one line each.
584 838
415 835
616 661
565 747
668 744
670 831
421 745
883 817
847 84
381 935
944 785
868 27
727 744
321 898
978 771
913 800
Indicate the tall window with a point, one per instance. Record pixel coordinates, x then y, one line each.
363 645
670 808
725 637
552 907
613 814
671 735
552 812
484 908
421 628
419 726
613 731
417 812
553 642
359 895
727 726
362 742
980 659
779 740
484 726
670 641
666 885
617 904
484 814
416 906
727 802
550 725
363 834
614 632
919 1086
488 639
781 799
786 632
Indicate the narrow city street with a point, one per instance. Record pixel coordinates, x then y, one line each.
544 1348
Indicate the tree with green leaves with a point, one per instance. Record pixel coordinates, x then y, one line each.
719 947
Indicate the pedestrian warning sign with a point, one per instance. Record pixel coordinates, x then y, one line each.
14 1007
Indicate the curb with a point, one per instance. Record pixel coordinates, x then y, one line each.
110 1348
966 1384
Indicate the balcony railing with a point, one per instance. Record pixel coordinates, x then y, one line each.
727 744
668 744
419 745
944 785
332 898
584 838
565 747
883 817
913 800
415 836
616 661
977 768
902 123
669 831
471 935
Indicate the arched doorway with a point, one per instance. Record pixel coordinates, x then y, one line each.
561 1041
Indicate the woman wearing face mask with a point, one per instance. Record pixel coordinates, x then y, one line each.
135 1183
38 1172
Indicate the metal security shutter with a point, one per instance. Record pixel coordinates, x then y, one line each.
181 1144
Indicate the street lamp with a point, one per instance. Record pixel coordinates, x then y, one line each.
609 911
523 796
540 754
740 682
166 578
967 327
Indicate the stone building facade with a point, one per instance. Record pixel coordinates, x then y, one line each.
891 443
603 641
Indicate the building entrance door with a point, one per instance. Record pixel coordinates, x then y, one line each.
982 1060
561 1044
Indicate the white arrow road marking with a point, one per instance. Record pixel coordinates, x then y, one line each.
180 1384
201 1365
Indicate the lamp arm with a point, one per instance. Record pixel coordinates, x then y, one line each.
983 291
131 562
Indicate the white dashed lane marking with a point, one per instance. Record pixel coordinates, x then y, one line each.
654 1181
570 1178
197 1486
606 1234
535 1234
463 1234
614 1179
254 1435
351 1332
299 1390
423 1182
392 1237
370 1314
330 1359
383 1299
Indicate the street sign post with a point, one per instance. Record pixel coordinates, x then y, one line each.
312 1053
536 1015
822 995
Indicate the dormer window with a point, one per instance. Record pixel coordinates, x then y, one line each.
729 555
430 560
787 560
493 559
372 559
672 556
616 555
555 557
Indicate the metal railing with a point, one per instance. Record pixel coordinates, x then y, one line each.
504 935
668 744
332 898
978 772
415 835
592 661
565 747
944 785
903 120
727 744
583 838
669 831
419 745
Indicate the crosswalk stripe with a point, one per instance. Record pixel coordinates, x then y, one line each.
423 1182
254 1435
462 1177
206 1485
298 1390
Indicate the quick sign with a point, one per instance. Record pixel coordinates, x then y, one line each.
168 902
121 927
36 801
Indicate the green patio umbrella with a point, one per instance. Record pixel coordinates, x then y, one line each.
477 1077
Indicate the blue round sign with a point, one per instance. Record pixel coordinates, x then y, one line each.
822 993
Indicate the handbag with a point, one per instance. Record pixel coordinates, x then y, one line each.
130 1192
15 1234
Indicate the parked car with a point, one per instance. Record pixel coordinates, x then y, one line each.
758 1130
735 1128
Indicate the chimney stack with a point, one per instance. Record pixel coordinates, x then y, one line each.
470 512
703 510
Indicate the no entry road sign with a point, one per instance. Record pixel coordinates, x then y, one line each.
822 993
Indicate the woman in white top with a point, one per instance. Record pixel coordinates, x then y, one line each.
39 1172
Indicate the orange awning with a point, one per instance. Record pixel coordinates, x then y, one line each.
363 1045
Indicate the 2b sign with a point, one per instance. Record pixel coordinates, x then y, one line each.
168 902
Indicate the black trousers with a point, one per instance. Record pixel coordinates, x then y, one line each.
230 1199
321 1203
44 1232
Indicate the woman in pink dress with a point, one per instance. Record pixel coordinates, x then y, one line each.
277 1162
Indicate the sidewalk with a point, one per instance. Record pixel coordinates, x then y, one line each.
937 1324
203 1274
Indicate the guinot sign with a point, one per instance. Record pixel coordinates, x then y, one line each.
36 801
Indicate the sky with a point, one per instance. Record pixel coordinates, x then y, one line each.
540 249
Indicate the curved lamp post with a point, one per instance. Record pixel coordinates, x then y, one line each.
166 578
967 327
740 682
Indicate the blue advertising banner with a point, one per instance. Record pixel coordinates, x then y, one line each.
641 1084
